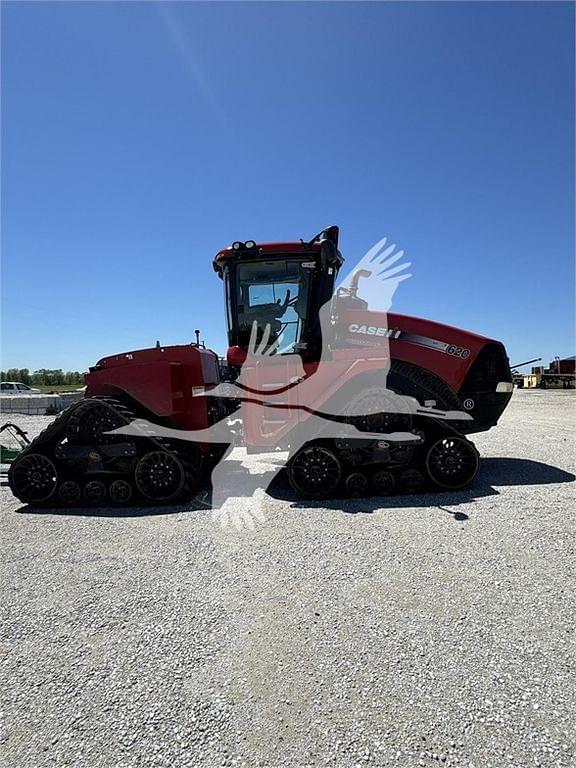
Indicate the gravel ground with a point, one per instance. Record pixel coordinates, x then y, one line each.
392 632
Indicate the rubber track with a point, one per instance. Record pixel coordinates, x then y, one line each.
423 380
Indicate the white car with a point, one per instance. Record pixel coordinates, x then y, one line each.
17 388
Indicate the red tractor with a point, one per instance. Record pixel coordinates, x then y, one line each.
364 401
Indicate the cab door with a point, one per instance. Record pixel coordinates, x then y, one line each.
270 407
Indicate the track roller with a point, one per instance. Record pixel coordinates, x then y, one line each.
356 484
120 491
411 481
383 482
95 491
69 492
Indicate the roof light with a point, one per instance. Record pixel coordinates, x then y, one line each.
237 245
250 244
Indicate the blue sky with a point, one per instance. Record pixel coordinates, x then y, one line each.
137 139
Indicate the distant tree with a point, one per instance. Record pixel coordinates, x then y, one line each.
73 377
39 377
24 375
50 377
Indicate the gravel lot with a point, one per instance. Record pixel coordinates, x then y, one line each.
425 630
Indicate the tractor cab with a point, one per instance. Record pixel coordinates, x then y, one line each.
278 289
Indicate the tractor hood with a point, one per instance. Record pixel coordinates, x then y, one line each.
162 380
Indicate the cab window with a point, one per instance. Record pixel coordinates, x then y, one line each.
273 293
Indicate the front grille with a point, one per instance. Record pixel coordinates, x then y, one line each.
490 367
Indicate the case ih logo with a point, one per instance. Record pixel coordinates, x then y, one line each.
372 330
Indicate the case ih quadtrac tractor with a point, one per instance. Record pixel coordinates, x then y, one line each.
365 402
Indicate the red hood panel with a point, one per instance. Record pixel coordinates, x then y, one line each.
442 349
181 353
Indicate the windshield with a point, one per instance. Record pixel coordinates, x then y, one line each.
273 293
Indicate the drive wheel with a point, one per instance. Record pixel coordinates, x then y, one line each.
89 423
315 472
160 476
452 462
34 478
120 491
69 492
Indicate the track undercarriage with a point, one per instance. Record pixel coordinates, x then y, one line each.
436 457
77 462
442 461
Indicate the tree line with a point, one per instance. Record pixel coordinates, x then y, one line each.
46 376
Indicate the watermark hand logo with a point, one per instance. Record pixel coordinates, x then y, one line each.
381 277
243 513
261 349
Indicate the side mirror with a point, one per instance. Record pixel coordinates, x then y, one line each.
330 254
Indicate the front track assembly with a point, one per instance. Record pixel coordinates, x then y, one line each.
443 460
77 462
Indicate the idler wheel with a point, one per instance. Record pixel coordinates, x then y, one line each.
120 491
315 472
411 481
383 482
160 476
452 462
69 492
34 478
89 423
95 491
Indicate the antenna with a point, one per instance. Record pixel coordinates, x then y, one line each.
526 362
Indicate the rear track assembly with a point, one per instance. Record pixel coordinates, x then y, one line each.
75 461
